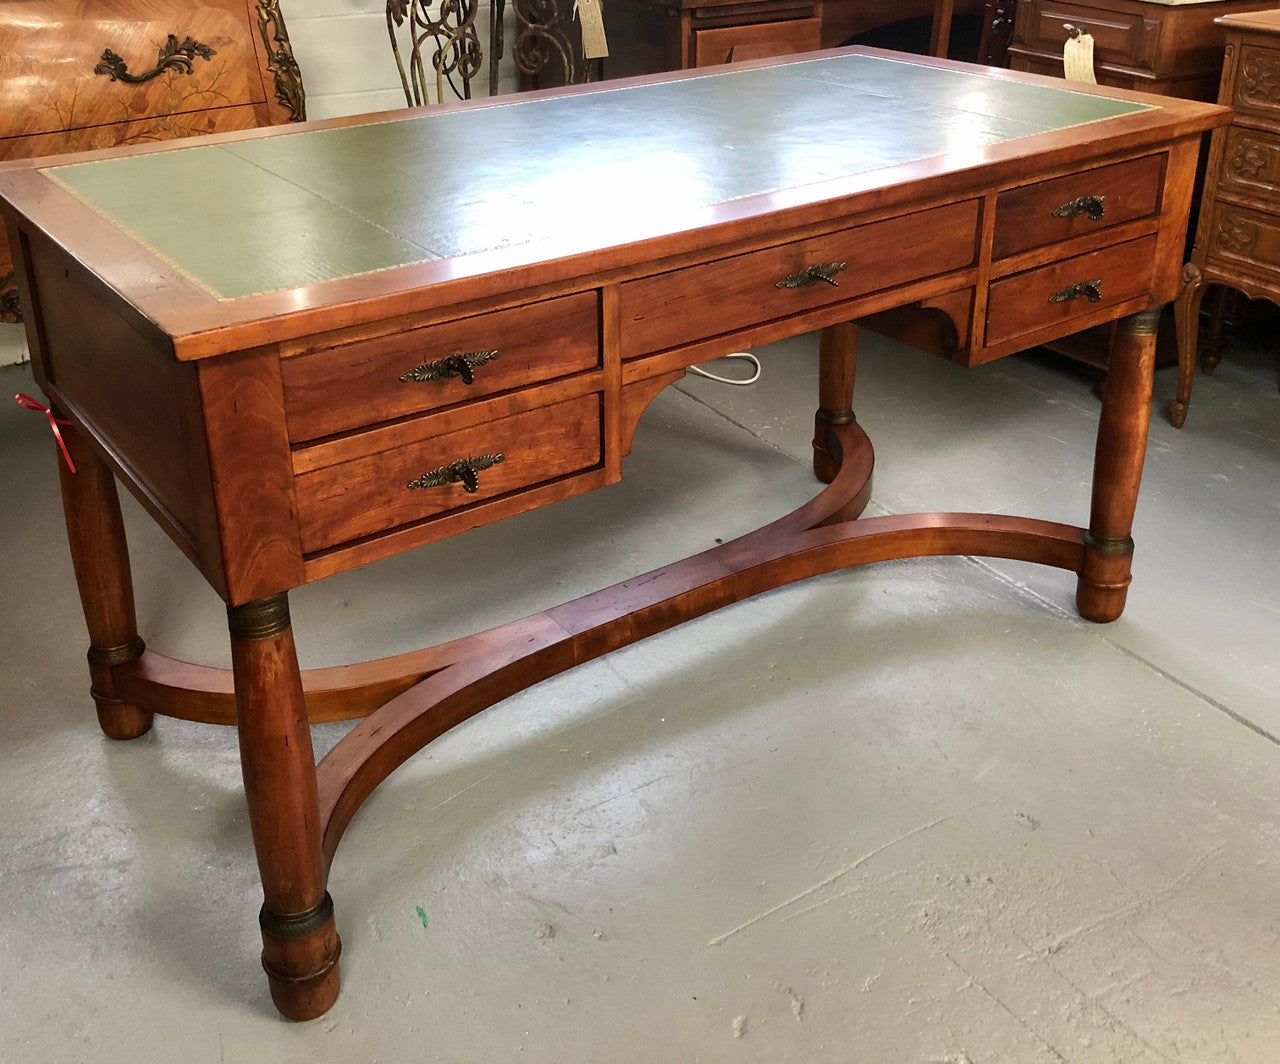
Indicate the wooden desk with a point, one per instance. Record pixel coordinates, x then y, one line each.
421 346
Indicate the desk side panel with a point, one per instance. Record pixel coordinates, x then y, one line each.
131 399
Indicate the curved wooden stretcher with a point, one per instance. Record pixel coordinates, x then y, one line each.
282 429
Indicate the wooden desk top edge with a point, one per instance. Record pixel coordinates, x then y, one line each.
1267 21
182 316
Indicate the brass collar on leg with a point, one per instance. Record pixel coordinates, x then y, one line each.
109 657
261 619
837 417
297 925
1108 544
1145 322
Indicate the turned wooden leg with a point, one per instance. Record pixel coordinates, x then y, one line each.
100 557
300 943
1117 469
1186 315
837 365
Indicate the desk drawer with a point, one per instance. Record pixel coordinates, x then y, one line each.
372 493
1024 302
1255 90
1246 241
715 45
672 309
362 383
1250 163
1090 200
1118 36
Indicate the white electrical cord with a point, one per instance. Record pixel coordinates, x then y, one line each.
743 355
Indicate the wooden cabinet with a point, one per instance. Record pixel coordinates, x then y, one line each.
648 36
1174 49
1238 236
78 75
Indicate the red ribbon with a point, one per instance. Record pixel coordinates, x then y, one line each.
27 403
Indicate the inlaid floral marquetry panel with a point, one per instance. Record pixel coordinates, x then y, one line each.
79 75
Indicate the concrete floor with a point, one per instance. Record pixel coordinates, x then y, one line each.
919 812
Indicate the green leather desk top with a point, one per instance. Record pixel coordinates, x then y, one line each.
569 173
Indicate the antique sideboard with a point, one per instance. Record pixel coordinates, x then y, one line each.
1238 235
83 74
424 348
1167 46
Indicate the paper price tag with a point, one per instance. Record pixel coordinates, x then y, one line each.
1077 58
591 17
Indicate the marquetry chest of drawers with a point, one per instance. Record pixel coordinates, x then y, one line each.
1238 236
78 75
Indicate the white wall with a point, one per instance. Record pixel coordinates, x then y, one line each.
347 68
346 59
13 345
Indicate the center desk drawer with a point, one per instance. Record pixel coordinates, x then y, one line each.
351 385
372 493
683 306
1049 212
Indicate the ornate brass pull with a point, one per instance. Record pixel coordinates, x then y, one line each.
460 471
1091 290
456 365
811 275
1093 206
174 55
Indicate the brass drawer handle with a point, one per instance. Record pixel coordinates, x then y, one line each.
174 54
1093 206
811 275
1091 290
460 471
456 365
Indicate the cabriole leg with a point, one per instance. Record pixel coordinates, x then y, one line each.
100 557
1186 312
1117 470
300 943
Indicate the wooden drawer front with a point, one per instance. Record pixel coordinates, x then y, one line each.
371 494
357 384
1257 82
723 44
1248 239
1025 216
58 46
1117 35
1021 303
683 306
138 131
1251 162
